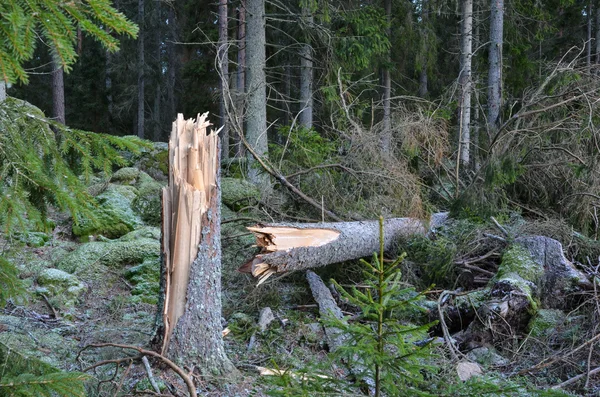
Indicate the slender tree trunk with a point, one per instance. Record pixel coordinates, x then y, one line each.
157 113
588 47
597 7
287 119
306 72
256 125
466 55
241 74
2 91
495 64
141 65
58 91
476 120
423 80
173 64
386 133
223 61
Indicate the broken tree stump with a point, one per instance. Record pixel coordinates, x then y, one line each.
287 247
191 331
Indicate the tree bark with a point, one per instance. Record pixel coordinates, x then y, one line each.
306 73
386 133
256 125
192 331
495 64
158 38
140 107
597 5
466 55
588 47
289 247
423 80
241 74
223 62
58 91
2 91
173 64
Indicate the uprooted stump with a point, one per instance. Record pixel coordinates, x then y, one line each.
533 274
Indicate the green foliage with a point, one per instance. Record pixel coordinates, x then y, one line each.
492 386
38 168
10 284
360 37
436 257
56 23
387 349
27 377
304 148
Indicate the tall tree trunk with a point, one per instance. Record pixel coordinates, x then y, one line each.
306 72
223 62
256 125
466 55
386 133
158 38
495 64
141 65
597 7
191 331
588 47
241 74
423 80
58 91
173 64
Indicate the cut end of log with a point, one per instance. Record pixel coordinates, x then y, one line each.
281 238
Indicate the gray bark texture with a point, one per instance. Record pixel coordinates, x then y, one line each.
356 240
306 74
241 73
466 56
327 307
197 338
256 124
140 107
597 7
495 63
588 46
58 92
423 80
173 65
2 90
223 62
560 276
386 133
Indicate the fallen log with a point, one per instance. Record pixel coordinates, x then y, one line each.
288 247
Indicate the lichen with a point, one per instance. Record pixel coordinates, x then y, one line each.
545 322
63 287
238 193
126 175
145 280
148 201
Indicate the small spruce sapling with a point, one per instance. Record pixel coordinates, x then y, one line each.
388 353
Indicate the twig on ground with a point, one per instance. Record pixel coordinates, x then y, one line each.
120 385
149 373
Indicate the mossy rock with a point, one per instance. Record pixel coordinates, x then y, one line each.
114 215
62 287
155 161
33 239
126 175
148 200
238 193
546 322
146 232
115 254
145 278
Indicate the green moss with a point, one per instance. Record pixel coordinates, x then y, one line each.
114 254
518 260
238 193
145 279
148 200
33 239
63 288
545 322
126 175
472 301
113 217
144 232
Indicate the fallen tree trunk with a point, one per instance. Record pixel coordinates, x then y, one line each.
289 247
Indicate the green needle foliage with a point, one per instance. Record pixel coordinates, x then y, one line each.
27 377
56 22
391 354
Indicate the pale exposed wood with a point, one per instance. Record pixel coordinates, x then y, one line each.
192 177
300 246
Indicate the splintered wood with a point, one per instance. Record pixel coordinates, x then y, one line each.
300 246
192 178
282 238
